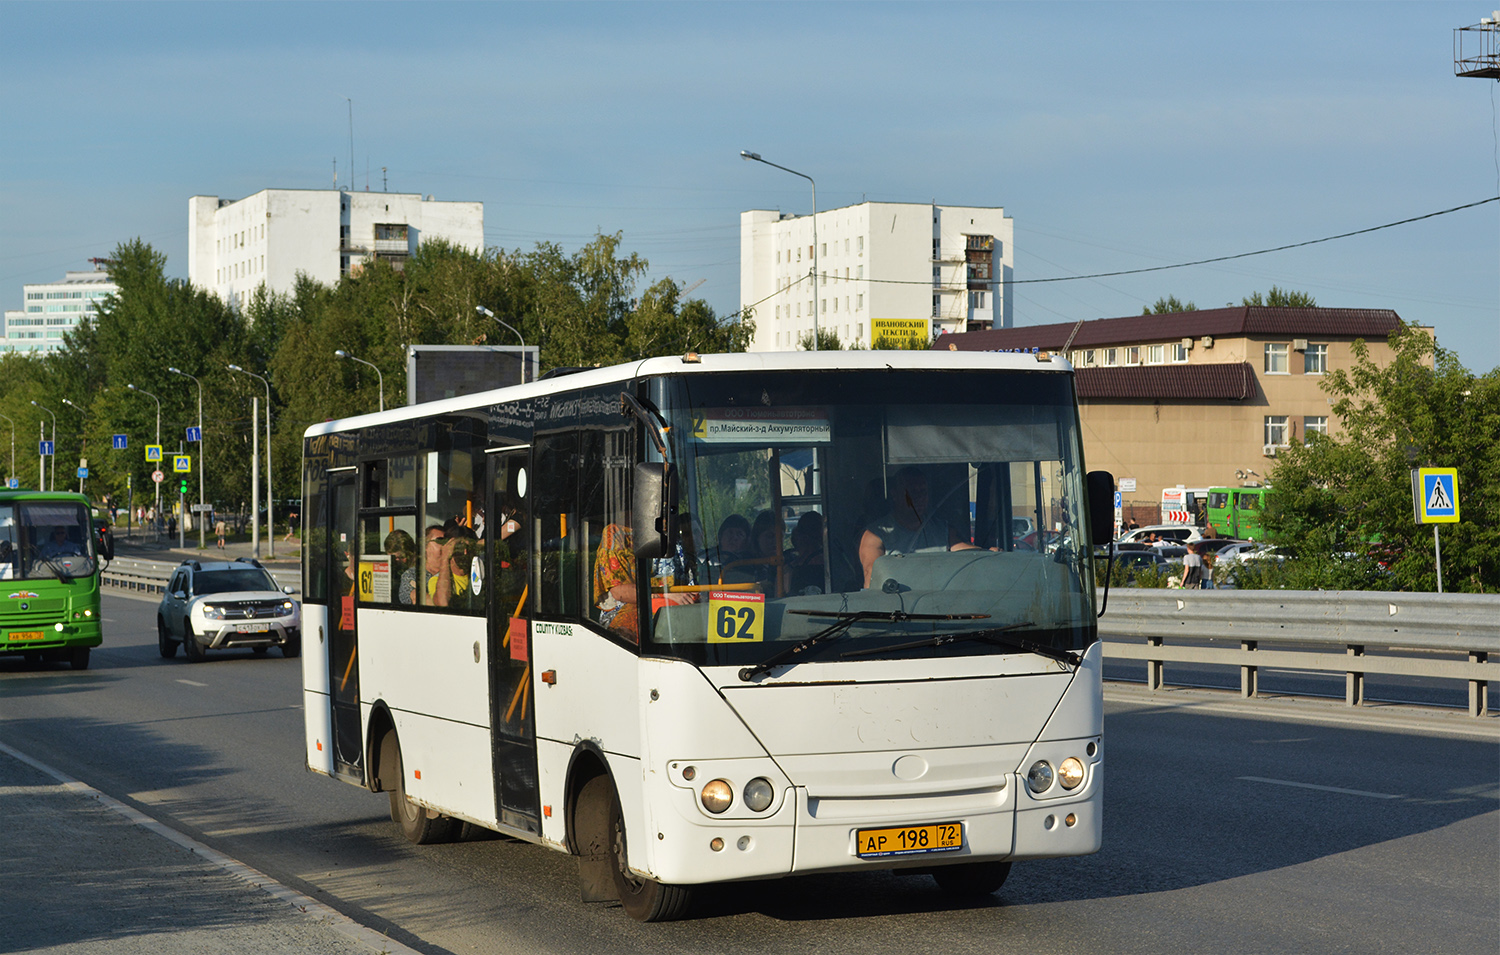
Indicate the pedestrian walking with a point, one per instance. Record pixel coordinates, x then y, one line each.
291 525
219 531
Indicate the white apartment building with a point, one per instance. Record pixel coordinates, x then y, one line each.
52 309
942 265
236 245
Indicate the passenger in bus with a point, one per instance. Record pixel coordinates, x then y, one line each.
7 560
402 551
805 560
733 545
444 580
614 582
907 529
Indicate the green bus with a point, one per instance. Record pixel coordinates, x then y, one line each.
49 577
1235 511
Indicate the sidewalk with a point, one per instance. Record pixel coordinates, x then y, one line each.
87 873
288 552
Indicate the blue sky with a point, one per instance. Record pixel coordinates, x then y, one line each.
1117 136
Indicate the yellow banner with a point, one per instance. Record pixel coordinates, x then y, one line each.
902 330
736 617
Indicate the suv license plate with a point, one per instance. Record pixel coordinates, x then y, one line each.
27 635
909 840
254 628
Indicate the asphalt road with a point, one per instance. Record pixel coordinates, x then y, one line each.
1229 827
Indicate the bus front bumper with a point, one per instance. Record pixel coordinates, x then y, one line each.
21 638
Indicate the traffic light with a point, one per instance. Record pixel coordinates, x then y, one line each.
182 486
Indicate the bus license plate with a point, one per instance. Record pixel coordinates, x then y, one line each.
909 840
28 635
254 628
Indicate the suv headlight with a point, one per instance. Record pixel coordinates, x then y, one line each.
211 611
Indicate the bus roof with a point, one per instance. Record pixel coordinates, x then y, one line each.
7 496
693 364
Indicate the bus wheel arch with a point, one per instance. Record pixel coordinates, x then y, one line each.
420 825
382 750
597 835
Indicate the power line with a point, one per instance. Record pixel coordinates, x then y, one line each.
1183 265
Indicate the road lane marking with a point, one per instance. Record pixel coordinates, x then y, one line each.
192 683
300 904
1326 789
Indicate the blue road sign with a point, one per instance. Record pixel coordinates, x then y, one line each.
195 434
13 483
121 441
1117 499
83 472
153 452
1435 495
44 447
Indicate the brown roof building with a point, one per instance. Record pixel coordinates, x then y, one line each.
1203 398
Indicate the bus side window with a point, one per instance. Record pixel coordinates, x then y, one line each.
559 568
604 499
456 583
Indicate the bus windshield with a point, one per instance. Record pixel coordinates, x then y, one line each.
45 540
911 513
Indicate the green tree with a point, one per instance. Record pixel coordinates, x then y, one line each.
1168 305
1343 502
1281 298
828 340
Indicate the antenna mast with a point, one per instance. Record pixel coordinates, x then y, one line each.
351 144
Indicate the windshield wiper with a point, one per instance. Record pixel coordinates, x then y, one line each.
989 635
843 622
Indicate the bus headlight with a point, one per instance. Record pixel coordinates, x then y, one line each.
1039 777
759 794
1070 773
716 796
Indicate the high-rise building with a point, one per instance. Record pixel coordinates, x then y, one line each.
881 266
236 245
52 309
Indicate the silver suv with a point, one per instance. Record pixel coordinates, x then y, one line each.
215 605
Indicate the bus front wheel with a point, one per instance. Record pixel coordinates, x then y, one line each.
416 823
601 827
78 658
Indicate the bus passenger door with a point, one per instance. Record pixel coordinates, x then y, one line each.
508 531
343 644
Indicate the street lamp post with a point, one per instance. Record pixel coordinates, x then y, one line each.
749 156
53 469
270 513
12 472
340 353
85 439
202 459
156 524
489 314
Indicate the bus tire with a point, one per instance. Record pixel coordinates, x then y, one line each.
164 642
600 819
416 823
78 658
191 648
972 879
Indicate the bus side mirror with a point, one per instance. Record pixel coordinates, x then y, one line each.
1101 507
654 514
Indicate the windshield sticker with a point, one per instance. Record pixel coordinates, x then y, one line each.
736 617
763 425
375 579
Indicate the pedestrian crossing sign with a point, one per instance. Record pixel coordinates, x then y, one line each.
1434 493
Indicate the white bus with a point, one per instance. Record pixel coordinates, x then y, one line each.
718 618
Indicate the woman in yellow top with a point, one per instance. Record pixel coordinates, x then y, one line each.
614 582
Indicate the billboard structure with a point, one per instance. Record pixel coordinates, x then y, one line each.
434 372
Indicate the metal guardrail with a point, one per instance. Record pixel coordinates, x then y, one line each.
1340 627
151 576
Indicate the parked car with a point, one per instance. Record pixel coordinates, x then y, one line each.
1133 562
104 539
216 605
1220 546
1181 533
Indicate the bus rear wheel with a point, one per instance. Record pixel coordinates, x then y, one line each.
601 825
972 879
415 822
